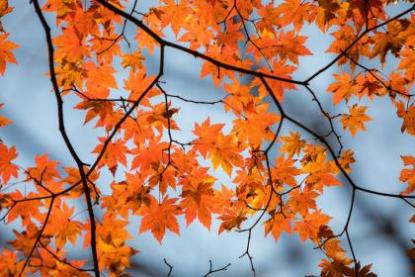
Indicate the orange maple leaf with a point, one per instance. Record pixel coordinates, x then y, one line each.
115 154
292 144
157 217
355 120
342 88
198 198
408 116
278 224
221 149
62 227
408 174
309 227
7 168
232 217
6 55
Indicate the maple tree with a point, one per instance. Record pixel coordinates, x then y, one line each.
159 178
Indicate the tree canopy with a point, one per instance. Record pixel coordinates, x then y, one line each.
278 166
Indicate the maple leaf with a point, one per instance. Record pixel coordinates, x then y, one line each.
303 201
24 239
346 159
146 41
390 40
150 156
291 46
209 69
62 8
358 13
206 133
407 34
157 217
175 15
294 12
159 118
326 13
336 252
62 227
220 149
336 268
113 252
309 227
332 246
6 55
5 202
291 144
369 85
24 210
45 173
250 184
48 258
257 198
137 82
278 224
232 217
284 172
70 74
7 168
9 262
343 37
230 38
411 252
329 268
239 98
408 116
321 171
99 79
342 88
280 68
314 159
356 119
70 46
133 61
101 109
73 177
114 154
407 59
4 9
224 197
197 36
408 174
256 125
397 84
198 198
4 121
365 271
130 194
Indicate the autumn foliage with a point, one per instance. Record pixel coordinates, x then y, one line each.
159 178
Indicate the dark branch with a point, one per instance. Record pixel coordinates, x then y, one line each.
65 136
211 270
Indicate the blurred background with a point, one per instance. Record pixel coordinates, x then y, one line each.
379 227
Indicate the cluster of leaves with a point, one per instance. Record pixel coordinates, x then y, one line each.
159 178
